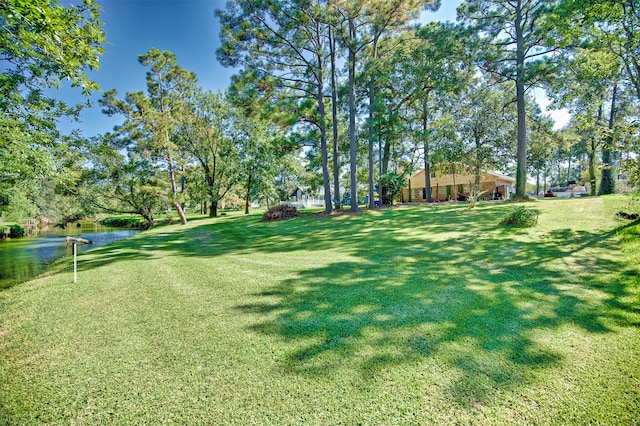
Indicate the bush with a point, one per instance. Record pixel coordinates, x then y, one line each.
124 222
16 231
280 212
520 217
392 184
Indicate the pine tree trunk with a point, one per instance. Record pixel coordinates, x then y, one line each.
371 137
328 205
607 183
521 154
174 189
372 99
334 117
248 196
427 160
352 117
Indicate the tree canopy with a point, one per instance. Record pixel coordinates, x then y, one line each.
327 95
42 43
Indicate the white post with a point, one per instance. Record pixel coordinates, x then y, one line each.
75 262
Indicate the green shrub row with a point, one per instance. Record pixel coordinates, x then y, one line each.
123 222
13 231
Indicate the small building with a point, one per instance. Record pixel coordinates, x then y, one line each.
449 187
298 195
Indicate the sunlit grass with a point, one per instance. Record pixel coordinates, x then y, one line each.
421 315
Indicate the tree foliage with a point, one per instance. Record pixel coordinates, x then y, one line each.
152 117
514 50
42 43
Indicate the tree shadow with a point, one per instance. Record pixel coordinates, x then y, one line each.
462 292
429 283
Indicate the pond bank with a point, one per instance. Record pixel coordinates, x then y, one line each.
22 259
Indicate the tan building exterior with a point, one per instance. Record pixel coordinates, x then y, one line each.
450 187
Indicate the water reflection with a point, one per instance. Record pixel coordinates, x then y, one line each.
22 259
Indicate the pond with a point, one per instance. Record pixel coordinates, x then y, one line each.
22 259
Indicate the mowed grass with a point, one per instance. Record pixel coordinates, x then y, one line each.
417 315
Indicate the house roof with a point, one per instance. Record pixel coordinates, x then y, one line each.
417 180
295 191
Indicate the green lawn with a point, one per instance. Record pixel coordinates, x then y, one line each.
419 315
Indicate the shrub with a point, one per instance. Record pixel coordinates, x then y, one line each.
392 184
16 231
124 222
520 217
280 212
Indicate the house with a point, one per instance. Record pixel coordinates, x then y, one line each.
298 195
300 198
448 187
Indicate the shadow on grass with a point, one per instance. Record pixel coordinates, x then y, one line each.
416 284
477 299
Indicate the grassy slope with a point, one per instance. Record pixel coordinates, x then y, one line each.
417 315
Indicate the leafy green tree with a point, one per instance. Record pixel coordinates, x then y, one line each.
607 181
541 144
122 179
258 157
514 50
484 119
151 118
432 62
582 84
285 43
611 26
209 133
392 184
447 153
266 143
42 43
604 53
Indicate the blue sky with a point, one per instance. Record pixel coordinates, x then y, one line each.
188 28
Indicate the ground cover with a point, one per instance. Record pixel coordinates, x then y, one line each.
421 315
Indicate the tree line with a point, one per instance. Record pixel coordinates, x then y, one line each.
364 92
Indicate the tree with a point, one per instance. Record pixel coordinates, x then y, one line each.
611 25
361 26
209 133
433 61
266 144
41 44
515 51
258 157
483 118
284 42
122 179
385 21
604 50
151 118
541 145
334 112
582 84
